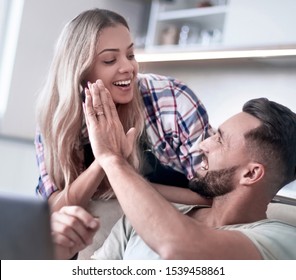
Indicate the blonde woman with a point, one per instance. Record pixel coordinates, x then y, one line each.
95 50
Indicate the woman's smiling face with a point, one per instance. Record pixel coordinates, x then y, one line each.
115 63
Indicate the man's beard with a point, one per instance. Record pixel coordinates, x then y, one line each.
214 183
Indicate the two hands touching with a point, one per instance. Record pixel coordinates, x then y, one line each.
106 134
73 228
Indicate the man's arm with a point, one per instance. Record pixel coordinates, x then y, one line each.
73 228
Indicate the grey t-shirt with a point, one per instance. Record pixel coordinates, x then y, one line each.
274 240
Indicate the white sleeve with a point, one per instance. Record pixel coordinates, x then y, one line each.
274 240
115 244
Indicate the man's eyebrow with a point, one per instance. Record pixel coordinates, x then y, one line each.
115 50
221 133
130 46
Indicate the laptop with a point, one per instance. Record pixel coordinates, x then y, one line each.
24 228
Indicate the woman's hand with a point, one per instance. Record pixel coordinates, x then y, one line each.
106 133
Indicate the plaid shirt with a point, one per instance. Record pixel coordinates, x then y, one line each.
175 120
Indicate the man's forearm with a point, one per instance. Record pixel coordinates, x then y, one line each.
149 213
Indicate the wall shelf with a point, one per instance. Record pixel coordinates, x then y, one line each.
204 25
215 54
191 13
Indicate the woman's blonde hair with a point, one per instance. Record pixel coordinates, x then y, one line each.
59 109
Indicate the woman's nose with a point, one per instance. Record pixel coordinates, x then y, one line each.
126 66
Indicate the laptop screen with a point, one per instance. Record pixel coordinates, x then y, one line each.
24 229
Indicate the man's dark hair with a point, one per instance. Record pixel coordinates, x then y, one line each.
273 143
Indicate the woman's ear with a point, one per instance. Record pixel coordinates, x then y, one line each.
252 173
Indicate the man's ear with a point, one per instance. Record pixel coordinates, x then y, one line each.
252 173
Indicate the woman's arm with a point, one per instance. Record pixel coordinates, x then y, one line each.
181 195
80 191
169 183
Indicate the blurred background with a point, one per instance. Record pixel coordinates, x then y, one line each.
238 50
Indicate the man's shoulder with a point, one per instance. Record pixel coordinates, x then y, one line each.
273 238
262 224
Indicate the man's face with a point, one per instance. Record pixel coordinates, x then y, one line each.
224 157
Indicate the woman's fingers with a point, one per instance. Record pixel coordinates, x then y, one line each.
102 119
104 98
96 98
100 102
90 114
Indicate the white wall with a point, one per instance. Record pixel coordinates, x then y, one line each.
19 173
260 23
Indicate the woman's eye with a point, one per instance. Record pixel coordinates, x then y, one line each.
109 61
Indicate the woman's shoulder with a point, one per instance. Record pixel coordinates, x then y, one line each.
166 89
150 80
162 86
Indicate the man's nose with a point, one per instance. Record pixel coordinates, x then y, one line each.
205 145
201 146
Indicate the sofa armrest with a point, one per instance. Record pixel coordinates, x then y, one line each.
283 212
109 212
